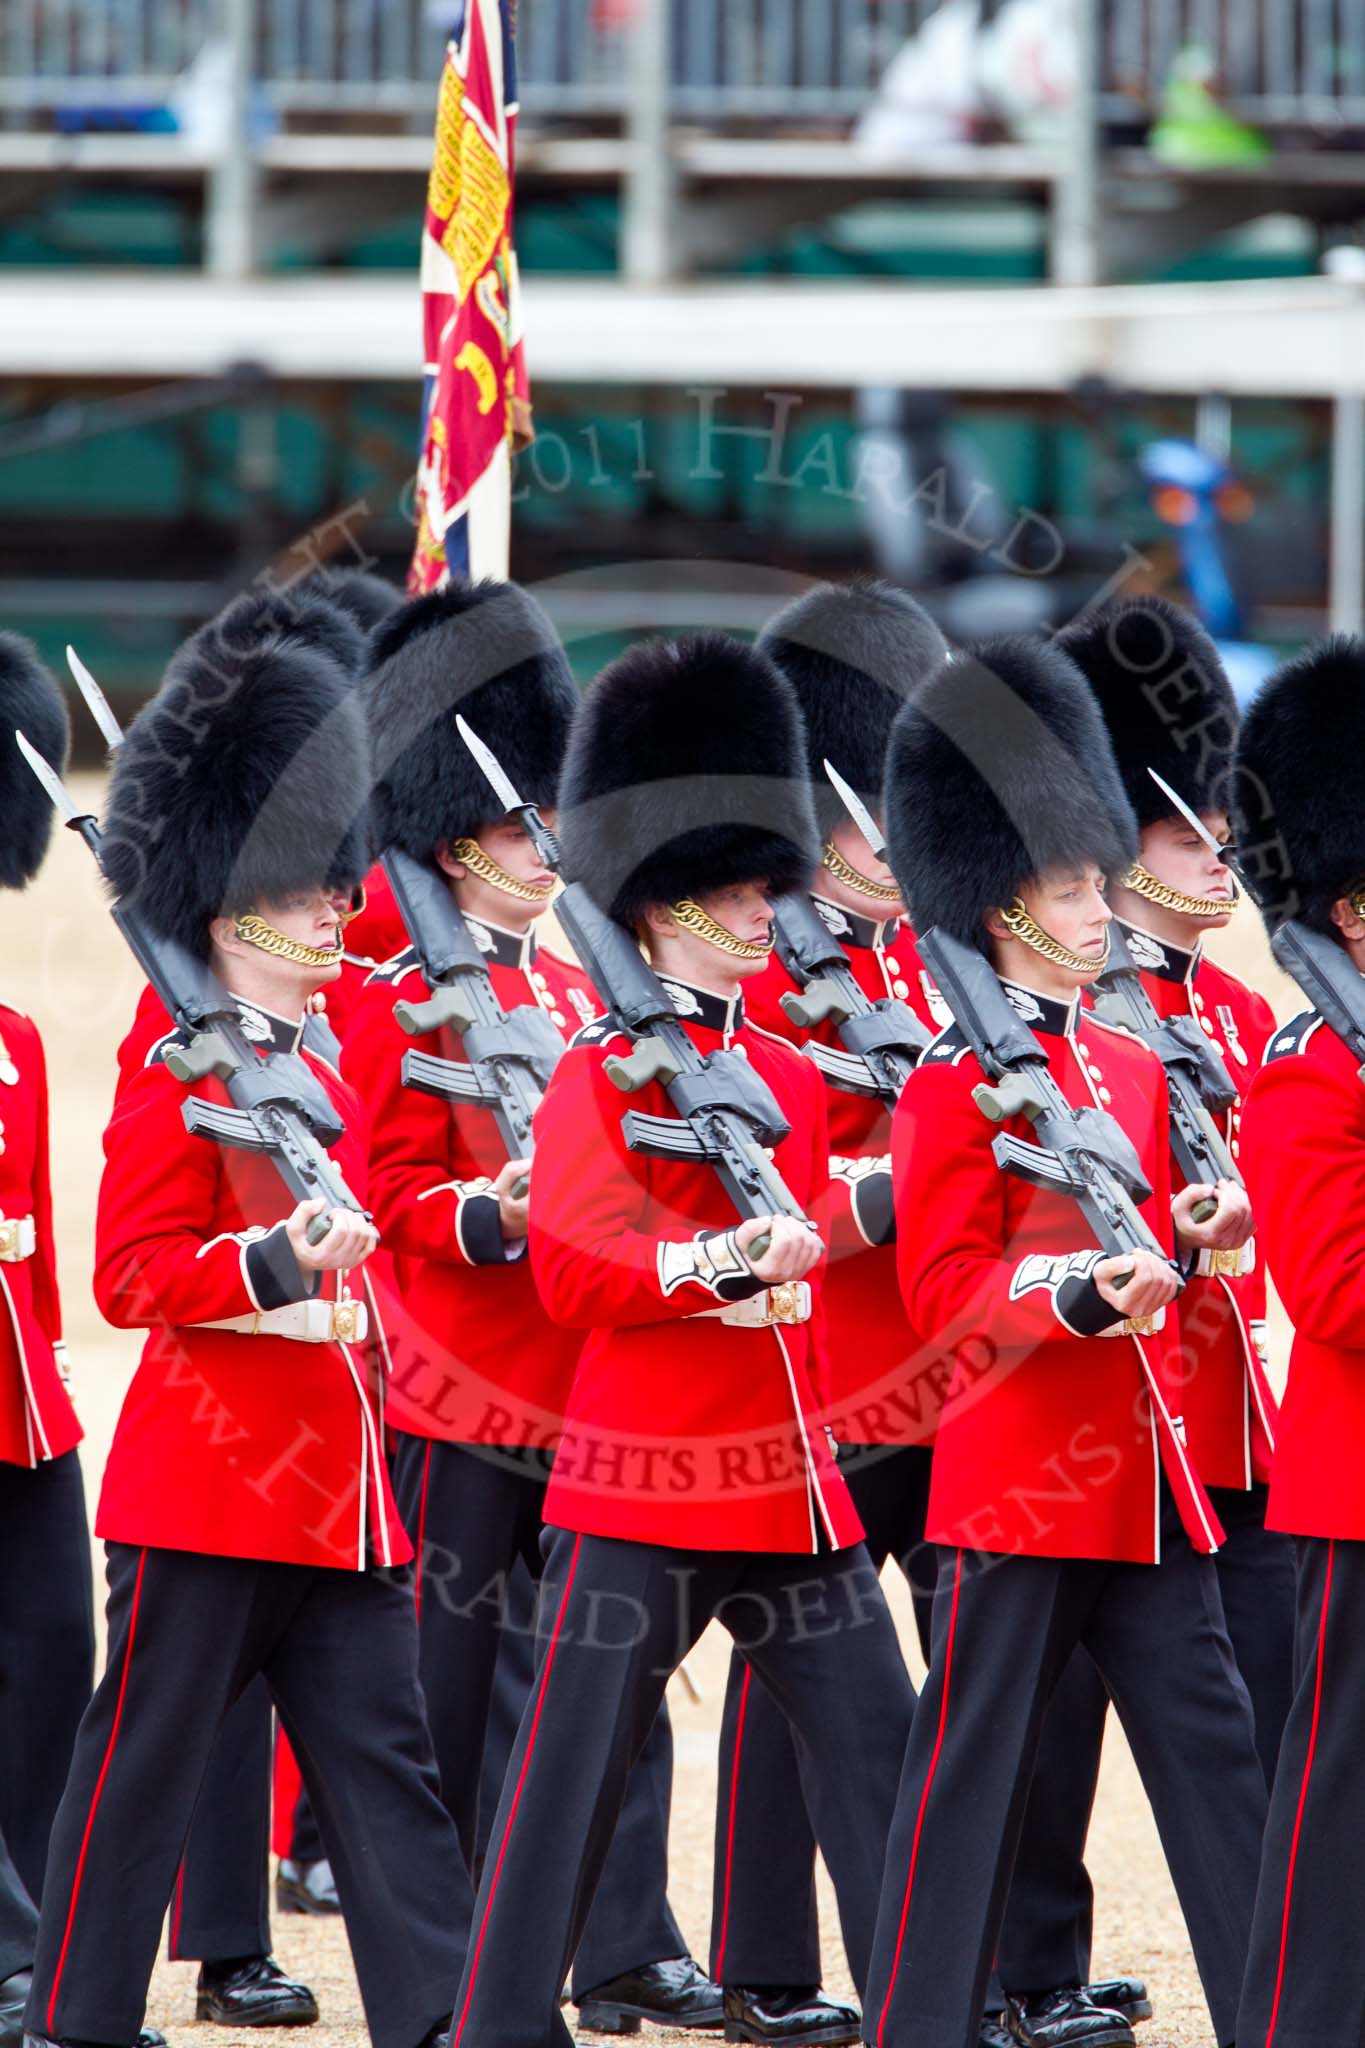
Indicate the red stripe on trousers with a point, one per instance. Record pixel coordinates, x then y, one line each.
1303 1793
923 1803
516 1796
730 1820
179 1909
421 1531
95 1801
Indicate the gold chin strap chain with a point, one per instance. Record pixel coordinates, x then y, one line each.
354 908
1142 884
693 918
1018 922
854 878
481 864
254 930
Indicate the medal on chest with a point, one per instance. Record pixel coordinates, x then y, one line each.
1228 1025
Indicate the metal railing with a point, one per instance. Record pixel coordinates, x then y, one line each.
1277 61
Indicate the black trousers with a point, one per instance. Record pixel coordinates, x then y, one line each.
1004 1628
616 1620
220 1907
765 1926
47 1649
1045 1941
338 1650
631 1921
1305 1976
18 1919
474 1515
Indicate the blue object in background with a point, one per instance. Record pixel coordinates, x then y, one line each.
1194 493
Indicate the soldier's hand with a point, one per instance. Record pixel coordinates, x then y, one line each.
1153 1283
513 1209
794 1249
348 1242
1230 1224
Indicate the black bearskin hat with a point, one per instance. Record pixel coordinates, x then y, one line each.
265 611
1298 821
366 599
999 769
245 777
686 772
488 652
1165 699
853 652
31 703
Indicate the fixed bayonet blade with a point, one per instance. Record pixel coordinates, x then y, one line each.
58 795
95 700
858 811
1195 823
503 787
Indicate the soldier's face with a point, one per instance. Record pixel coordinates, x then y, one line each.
506 843
1070 905
1174 852
851 843
314 917
744 910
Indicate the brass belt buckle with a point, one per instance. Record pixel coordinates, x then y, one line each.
1140 1326
345 1320
784 1302
9 1239
1225 1265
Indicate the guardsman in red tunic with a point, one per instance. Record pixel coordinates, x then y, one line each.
851 653
479 1375
1169 709
1300 836
1062 1490
246 1508
47 1641
693 1479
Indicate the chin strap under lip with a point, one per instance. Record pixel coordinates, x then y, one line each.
1021 925
690 915
854 878
254 930
1145 884
472 856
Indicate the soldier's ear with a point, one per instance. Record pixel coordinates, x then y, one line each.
995 924
659 919
1348 920
447 863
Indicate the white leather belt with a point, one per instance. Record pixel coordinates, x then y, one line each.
1228 1265
18 1239
306 1322
789 1303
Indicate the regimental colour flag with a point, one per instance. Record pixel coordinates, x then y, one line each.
475 397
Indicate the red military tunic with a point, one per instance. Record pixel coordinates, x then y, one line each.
232 1444
1230 1408
1303 1151
37 1420
375 935
1051 1443
874 1393
680 1429
476 1359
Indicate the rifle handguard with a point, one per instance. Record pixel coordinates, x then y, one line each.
443 1008
819 1002
1202 1211
649 1059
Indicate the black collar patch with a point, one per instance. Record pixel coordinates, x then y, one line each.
702 1006
852 930
1041 1013
1159 956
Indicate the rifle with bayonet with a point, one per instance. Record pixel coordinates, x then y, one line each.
880 1042
509 1054
1198 1084
1326 976
277 1106
1083 1153
726 1116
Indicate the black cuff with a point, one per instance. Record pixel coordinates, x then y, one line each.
873 1208
274 1275
1083 1308
480 1227
736 1286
